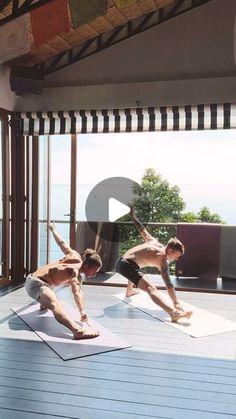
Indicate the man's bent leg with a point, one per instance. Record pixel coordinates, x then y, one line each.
48 299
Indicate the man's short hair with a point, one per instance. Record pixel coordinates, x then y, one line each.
175 244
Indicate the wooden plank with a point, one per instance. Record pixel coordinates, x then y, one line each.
144 359
69 412
167 378
124 358
94 370
102 388
102 408
127 392
12 414
112 405
134 374
123 366
109 400
120 373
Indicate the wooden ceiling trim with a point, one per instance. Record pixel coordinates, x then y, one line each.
132 11
147 6
115 17
101 25
59 44
87 32
45 51
73 37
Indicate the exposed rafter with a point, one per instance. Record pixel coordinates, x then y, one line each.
118 34
19 10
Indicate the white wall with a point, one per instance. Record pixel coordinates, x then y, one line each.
184 92
8 99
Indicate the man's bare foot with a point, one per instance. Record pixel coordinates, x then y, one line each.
84 334
180 315
129 293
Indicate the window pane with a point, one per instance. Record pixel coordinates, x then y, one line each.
57 148
43 198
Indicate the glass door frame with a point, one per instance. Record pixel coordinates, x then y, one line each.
5 146
73 190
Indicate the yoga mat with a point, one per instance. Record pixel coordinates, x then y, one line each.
60 339
202 323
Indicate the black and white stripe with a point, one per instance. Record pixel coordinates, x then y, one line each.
171 118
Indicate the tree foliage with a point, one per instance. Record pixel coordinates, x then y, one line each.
158 202
203 216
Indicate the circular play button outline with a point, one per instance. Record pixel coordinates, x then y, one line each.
102 202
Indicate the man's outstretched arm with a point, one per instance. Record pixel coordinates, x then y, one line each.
65 248
140 227
169 286
79 299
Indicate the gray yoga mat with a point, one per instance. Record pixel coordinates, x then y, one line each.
60 339
202 323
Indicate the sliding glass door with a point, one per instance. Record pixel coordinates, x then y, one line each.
57 191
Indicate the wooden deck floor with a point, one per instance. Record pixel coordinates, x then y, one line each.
166 374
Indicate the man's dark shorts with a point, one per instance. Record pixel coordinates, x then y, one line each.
129 269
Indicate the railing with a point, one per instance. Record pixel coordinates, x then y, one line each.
125 230
210 248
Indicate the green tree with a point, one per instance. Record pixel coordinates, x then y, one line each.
155 201
188 217
205 216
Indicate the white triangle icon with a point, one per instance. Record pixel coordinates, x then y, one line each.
117 209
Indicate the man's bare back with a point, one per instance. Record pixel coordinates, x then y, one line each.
147 254
61 271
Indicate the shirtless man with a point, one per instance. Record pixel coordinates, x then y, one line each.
39 285
152 253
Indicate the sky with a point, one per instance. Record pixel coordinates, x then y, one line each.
201 163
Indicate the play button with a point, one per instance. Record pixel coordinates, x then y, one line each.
108 201
117 209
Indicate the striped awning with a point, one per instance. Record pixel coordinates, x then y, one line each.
171 118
